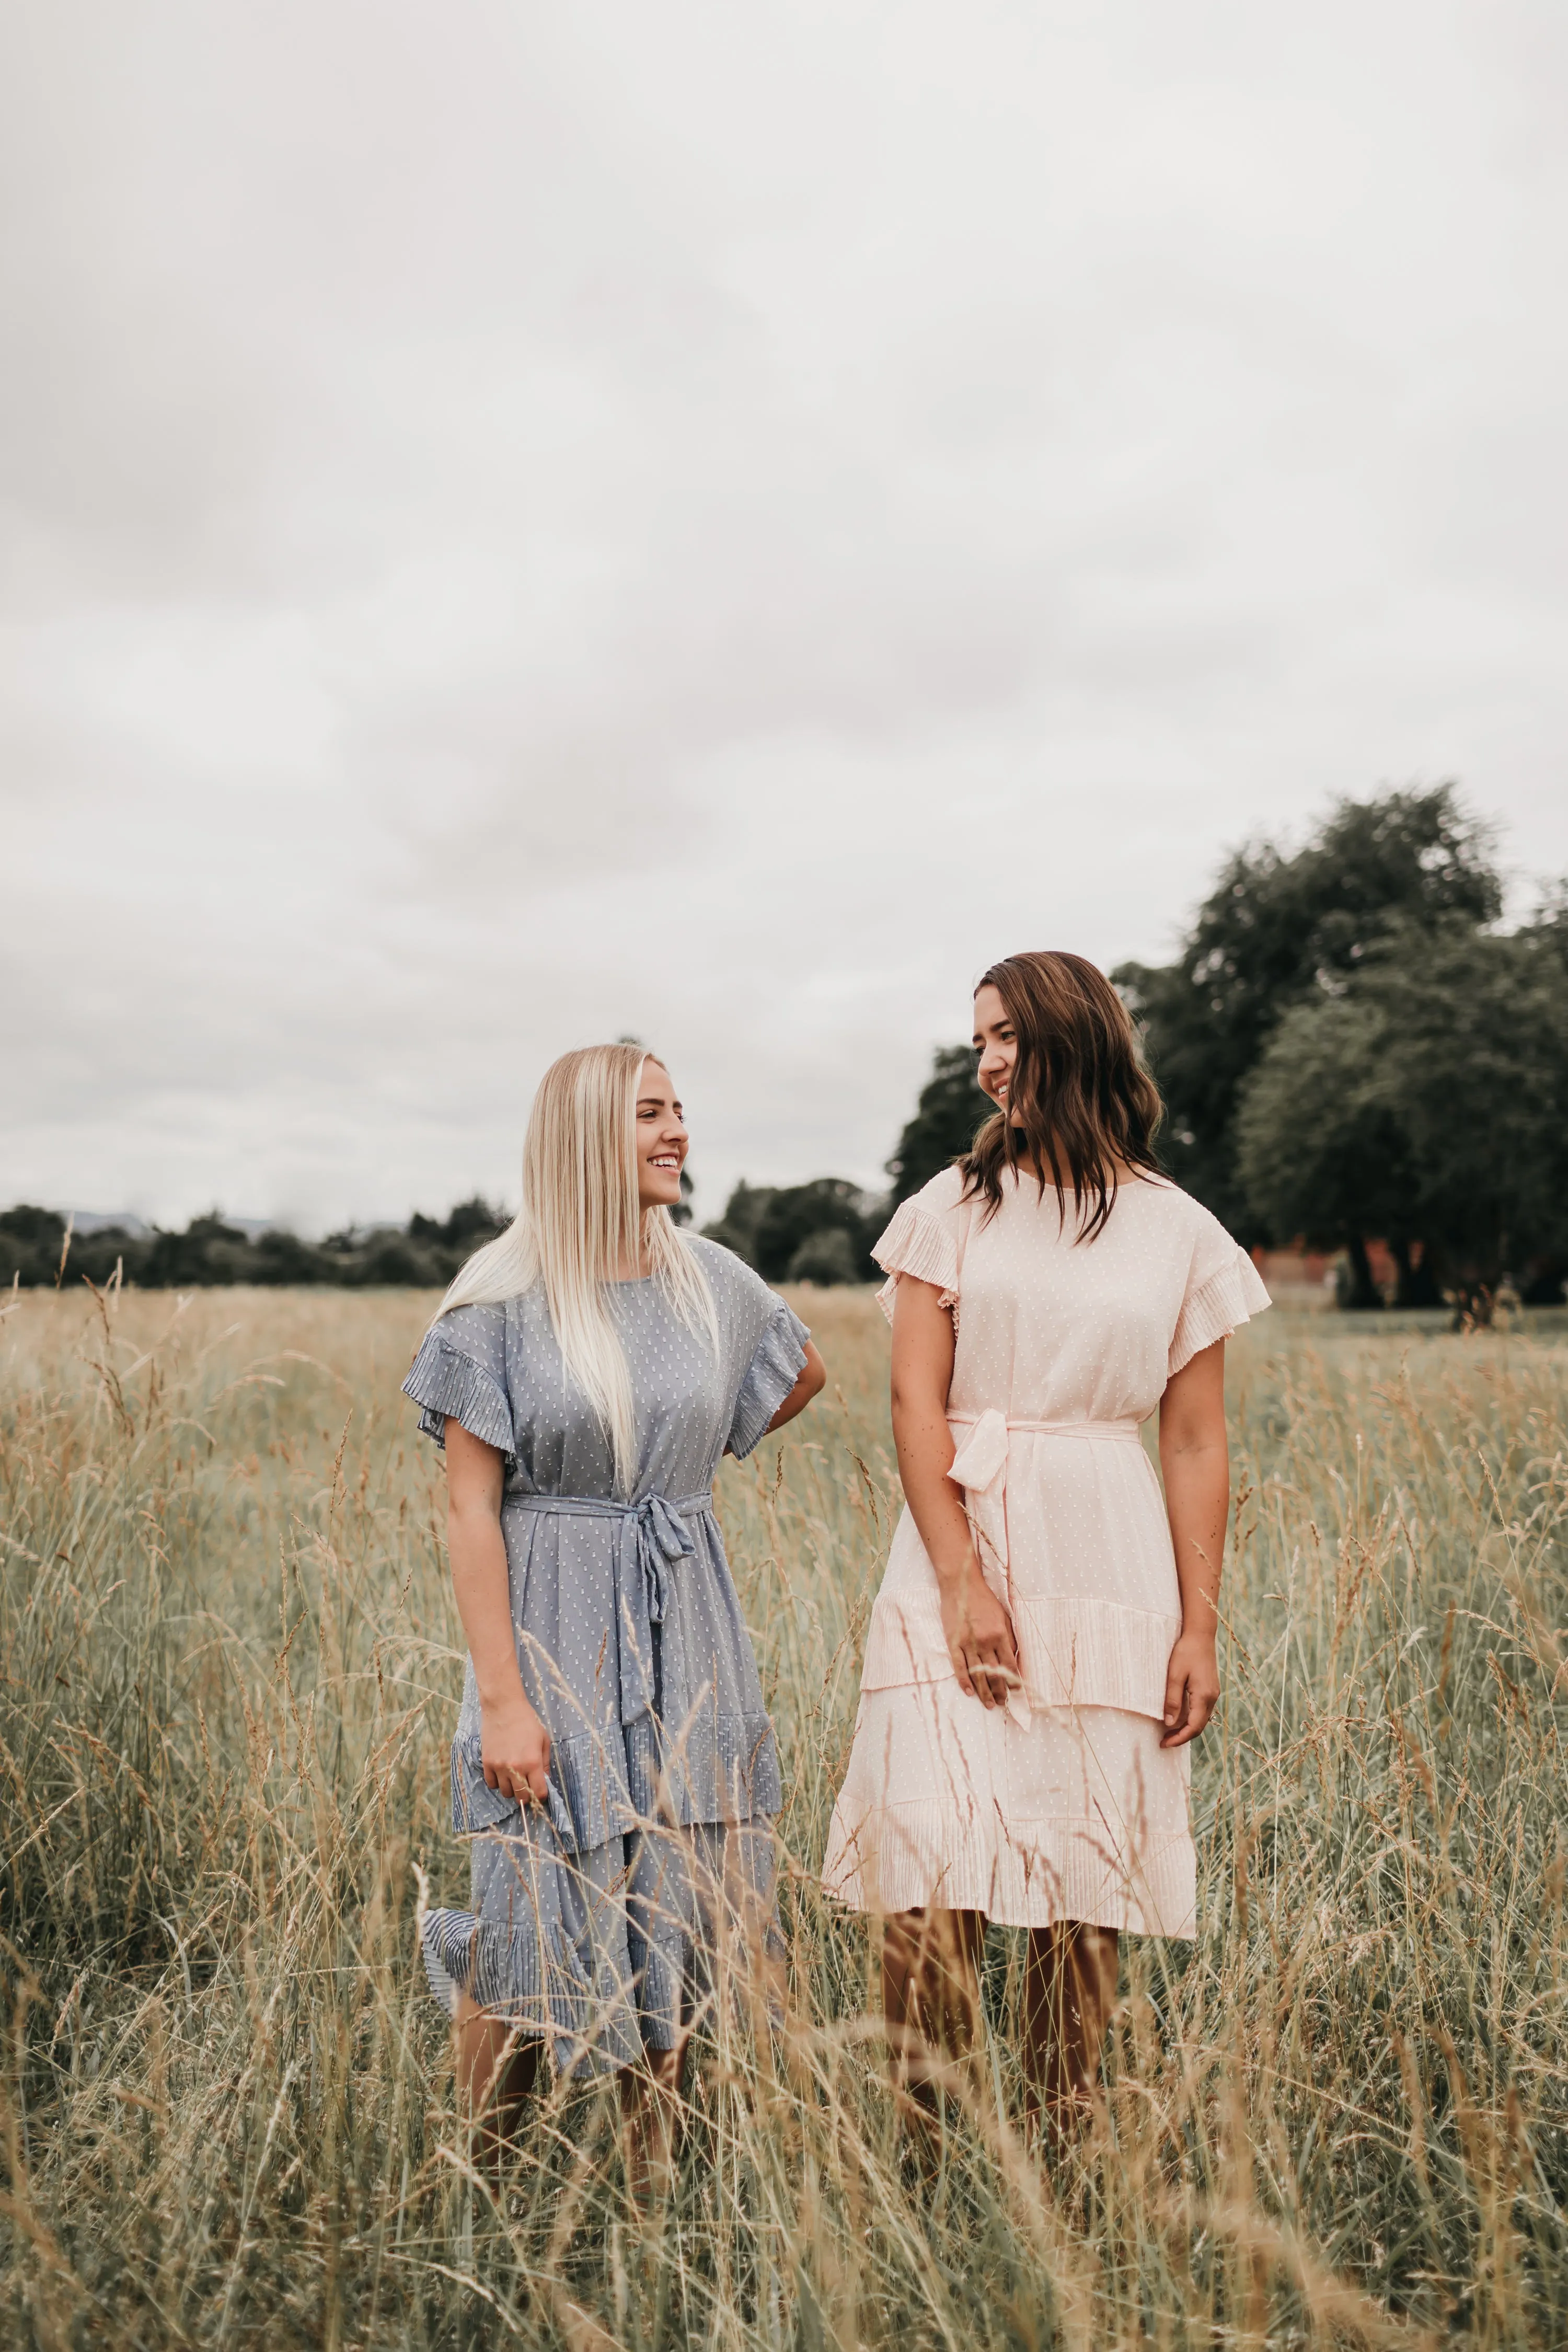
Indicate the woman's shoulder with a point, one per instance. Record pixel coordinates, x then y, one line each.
922 1238
460 1374
747 1308
1194 1238
941 1196
1157 1195
734 1282
720 1263
477 1330
1148 1191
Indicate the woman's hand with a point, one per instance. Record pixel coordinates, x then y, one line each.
514 1748
1191 1688
979 1636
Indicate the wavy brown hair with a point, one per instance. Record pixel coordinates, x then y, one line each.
1080 1101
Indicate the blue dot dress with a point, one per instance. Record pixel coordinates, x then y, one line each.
593 1919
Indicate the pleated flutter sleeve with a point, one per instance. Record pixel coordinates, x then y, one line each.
1223 1290
460 1371
922 1241
773 1371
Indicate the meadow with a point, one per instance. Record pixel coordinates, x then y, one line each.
231 1666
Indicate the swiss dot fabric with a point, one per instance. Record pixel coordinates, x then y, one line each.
591 1914
1066 1806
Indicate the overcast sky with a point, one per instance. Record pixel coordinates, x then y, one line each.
523 523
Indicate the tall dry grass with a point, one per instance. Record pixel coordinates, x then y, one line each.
230 1665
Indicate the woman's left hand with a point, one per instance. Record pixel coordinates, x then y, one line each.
1191 1688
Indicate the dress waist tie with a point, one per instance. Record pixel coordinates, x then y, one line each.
980 1467
652 1538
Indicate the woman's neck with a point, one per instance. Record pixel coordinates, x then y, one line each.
1027 1164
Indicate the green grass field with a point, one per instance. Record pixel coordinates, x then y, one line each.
231 1667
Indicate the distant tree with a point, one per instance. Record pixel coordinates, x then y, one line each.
470 1224
1321 1157
33 1228
208 1252
828 1203
1279 931
101 1256
743 1213
391 1258
31 1240
827 1255
948 1110
1428 1101
282 1258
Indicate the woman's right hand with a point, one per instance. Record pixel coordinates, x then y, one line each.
979 1636
514 1748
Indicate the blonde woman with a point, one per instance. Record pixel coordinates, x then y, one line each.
1042 1651
614 1764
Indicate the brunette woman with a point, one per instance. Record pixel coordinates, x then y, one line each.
613 1765
1042 1651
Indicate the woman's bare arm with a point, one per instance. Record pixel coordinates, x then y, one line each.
813 1377
514 1743
977 1628
812 1380
1196 1461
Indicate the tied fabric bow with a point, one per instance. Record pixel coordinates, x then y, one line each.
654 1535
980 1467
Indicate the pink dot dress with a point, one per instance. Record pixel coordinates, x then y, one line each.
1063 1805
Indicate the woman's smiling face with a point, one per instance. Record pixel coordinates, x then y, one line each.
996 1043
661 1139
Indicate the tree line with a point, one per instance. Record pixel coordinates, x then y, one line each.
426 1253
1350 1046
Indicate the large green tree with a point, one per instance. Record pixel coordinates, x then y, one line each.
800 1212
1281 929
1319 1150
743 1213
819 1232
1425 1100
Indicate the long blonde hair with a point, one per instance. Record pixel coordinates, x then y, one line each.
579 1223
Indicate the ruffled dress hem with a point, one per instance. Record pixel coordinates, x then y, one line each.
1022 1874
611 1953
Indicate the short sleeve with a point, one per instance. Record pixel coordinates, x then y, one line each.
775 1368
460 1372
922 1241
1223 1290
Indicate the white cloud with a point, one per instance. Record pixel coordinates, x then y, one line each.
525 524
